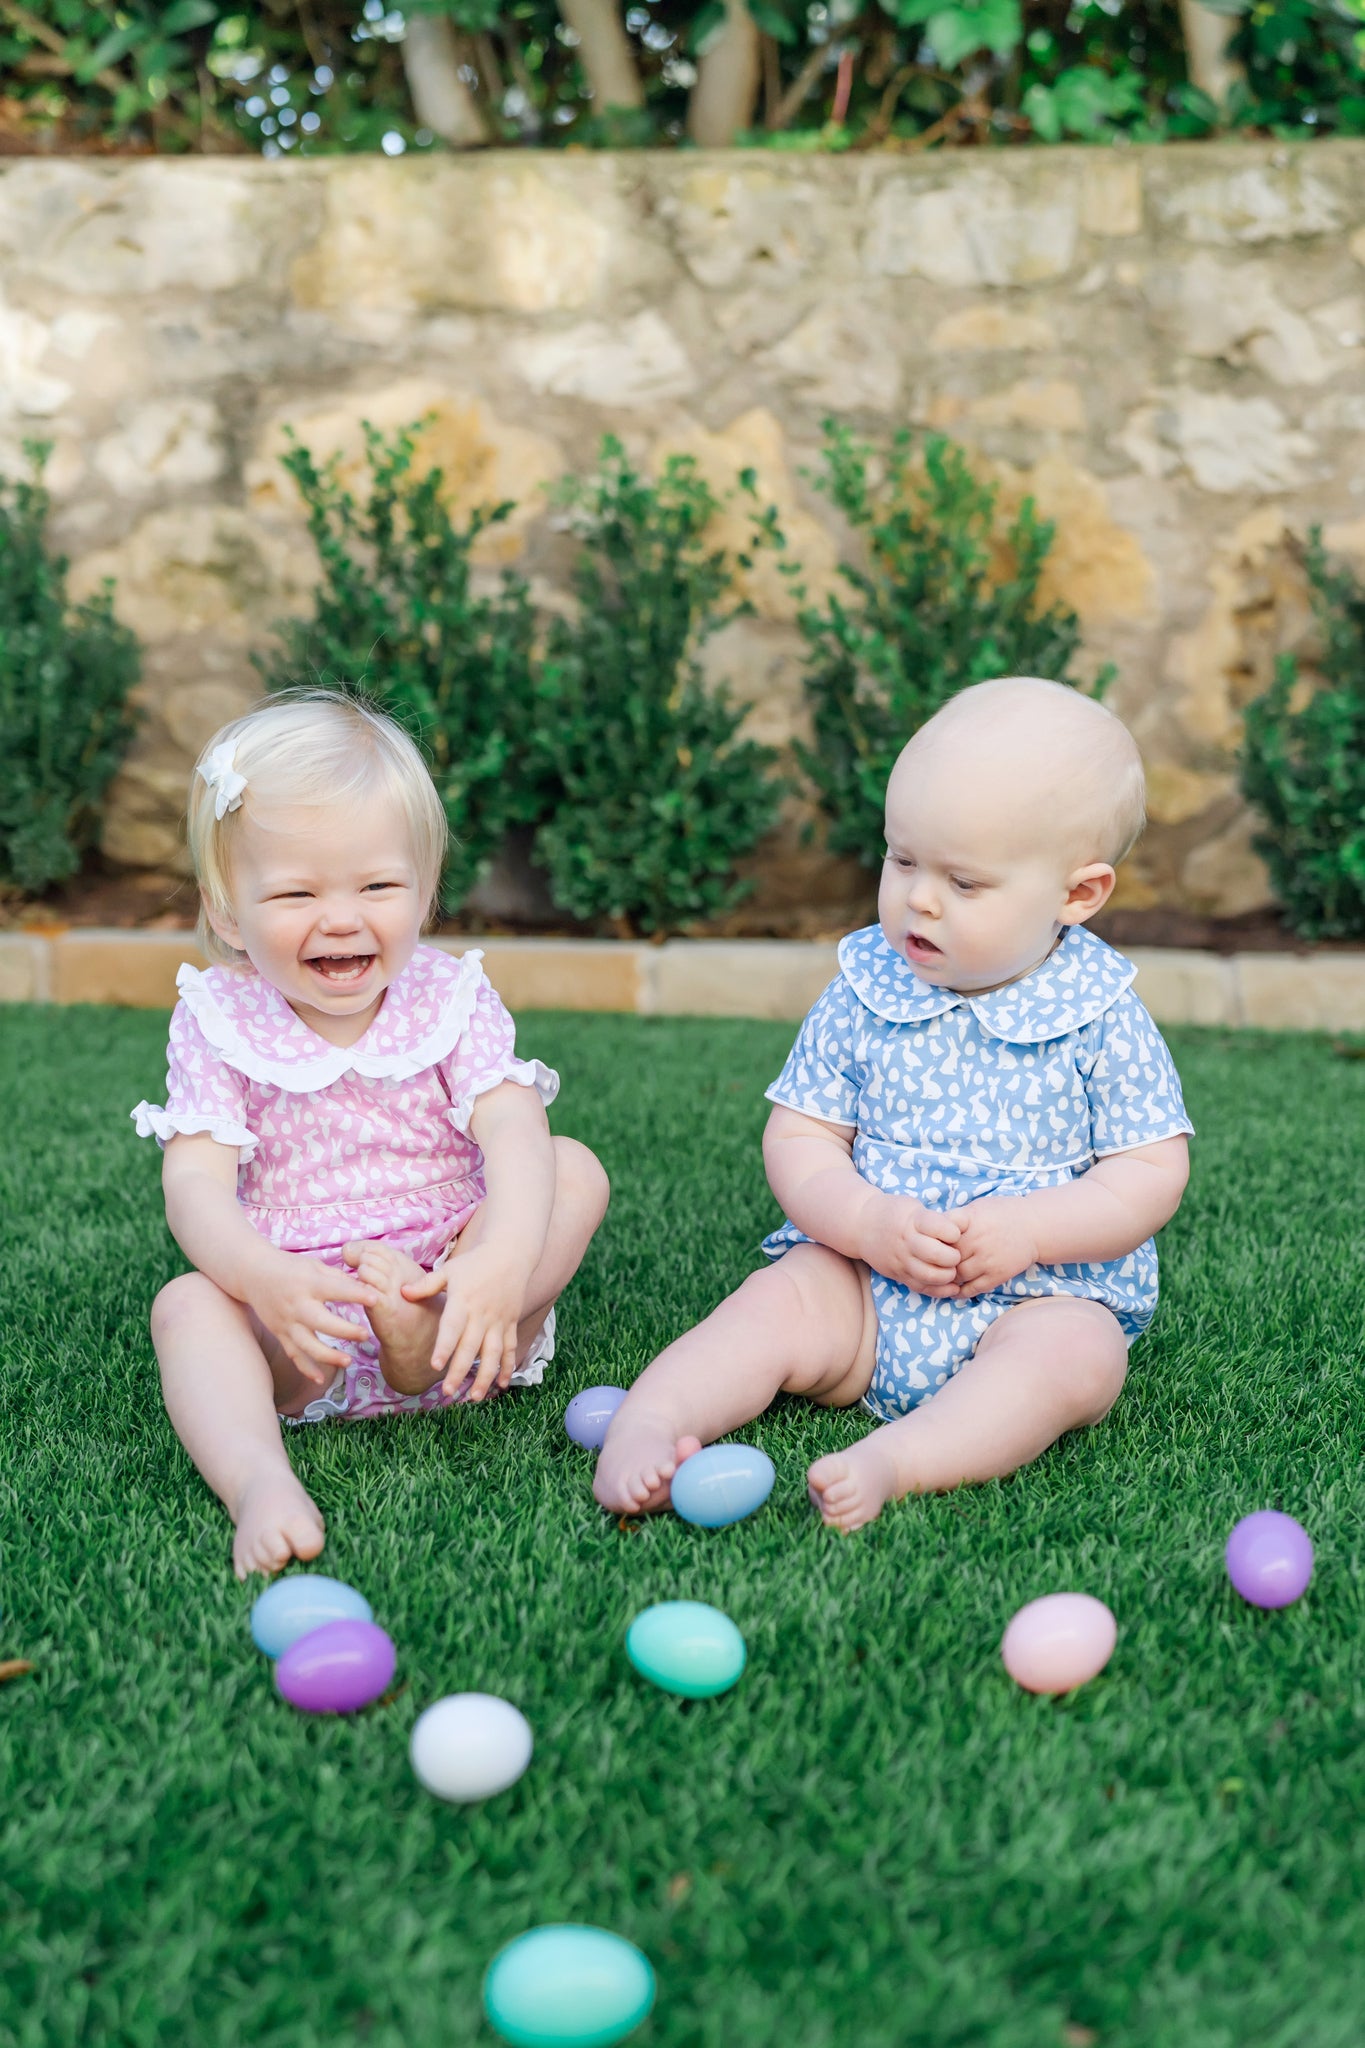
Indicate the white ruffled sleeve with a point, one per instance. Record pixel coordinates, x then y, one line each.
485 1056
203 1093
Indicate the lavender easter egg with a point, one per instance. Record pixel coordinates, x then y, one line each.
337 1668
1269 1558
721 1484
588 1416
295 1606
1059 1642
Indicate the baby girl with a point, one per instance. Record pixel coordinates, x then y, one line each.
975 1137
356 1162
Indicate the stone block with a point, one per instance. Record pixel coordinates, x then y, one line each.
1273 198
1288 992
756 441
116 227
982 229
1044 402
742 221
23 968
633 365
1111 196
483 457
136 970
552 974
734 977
1180 987
1232 445
978 328
26 388
496 233
169 443
842 356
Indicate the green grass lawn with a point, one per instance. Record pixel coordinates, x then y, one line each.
875 1839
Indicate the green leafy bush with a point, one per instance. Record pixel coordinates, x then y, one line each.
658 797
928 615
66 672
399 618
1303 766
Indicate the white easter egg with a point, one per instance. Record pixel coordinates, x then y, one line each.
469 1746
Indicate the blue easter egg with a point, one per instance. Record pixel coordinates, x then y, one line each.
722 1484
686 1647
567 1987
295 1606
588 1416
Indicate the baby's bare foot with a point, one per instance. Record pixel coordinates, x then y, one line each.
406 1329
275 1521
638 1459
852 1487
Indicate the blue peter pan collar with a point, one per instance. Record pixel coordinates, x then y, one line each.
1079 981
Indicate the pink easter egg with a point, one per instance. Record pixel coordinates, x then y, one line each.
1059 1642
336 1668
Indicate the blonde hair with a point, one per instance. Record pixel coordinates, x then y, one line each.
1084 752
309 747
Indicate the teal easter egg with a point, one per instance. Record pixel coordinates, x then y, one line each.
567 1987
722 1484
295 1606
686 1647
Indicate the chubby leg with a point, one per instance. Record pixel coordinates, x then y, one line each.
805 1325
1052 1364
407 1329
222 1393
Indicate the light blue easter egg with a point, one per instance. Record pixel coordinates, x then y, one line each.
686 1647
722 1484
295 1606
567 1987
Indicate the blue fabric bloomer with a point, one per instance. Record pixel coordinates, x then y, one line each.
952 1097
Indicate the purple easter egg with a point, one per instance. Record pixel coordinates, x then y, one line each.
588 1416
1269 1558
336 1668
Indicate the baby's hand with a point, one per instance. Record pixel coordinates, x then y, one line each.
291 1298
484 1291
912 1244
996 1243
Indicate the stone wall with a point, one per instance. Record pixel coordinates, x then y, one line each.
1163 347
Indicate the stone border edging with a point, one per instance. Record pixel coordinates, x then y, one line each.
767 978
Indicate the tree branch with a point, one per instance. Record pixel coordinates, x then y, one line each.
604 52
441 99
723 99
1207 36
800 89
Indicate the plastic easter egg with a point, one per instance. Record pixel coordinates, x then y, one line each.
721 1484
469 1746
567 1987
589 1414
1269 1558
336 1668
294 1607
686 1647
1059 1642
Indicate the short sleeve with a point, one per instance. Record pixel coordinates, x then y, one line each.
485 1056
821 1076
203 1093
1134 1090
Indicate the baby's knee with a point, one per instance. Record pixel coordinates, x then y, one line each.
581 1180
1096 1360
181 1304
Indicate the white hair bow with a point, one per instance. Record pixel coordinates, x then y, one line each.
222 778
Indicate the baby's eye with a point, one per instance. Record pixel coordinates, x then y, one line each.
963 886
899 860
371 886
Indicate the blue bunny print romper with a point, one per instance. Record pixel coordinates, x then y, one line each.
953 1097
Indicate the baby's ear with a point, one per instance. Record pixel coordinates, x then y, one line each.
222 922
1087 891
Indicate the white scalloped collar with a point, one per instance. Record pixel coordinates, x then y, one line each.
247 1020
1080 979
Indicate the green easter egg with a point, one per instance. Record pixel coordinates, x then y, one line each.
686 1647
567 1987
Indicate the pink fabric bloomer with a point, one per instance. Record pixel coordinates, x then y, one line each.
339 1142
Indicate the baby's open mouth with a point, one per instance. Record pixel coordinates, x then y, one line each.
921 949
340 968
